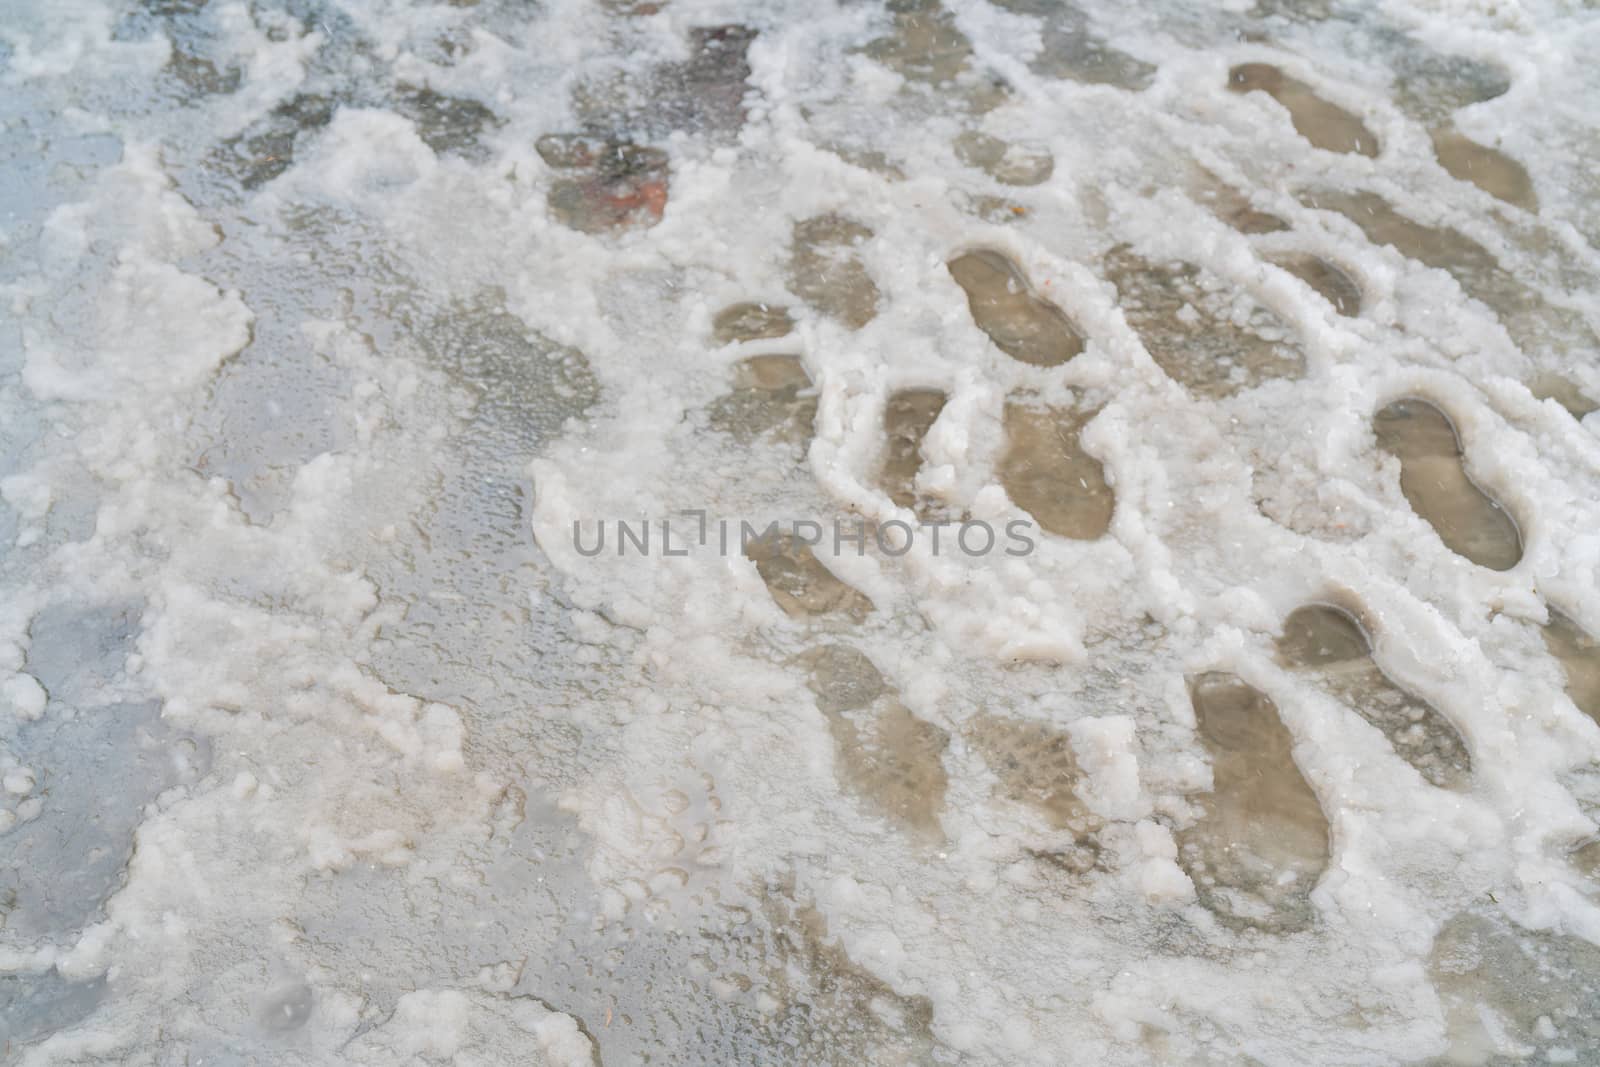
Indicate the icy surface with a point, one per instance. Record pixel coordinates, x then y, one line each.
323 738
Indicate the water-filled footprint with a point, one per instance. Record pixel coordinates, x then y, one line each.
1579 654
1004 161
907 417
1036 766
1437 487
1328 644
1325 125
1430 88
1022 324
800 584
1207 336
826 273
1488 168
771 394
925 45
750 322
885 754
615 184
1261 841
1326 280
1046 472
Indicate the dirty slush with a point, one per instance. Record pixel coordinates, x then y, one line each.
751 532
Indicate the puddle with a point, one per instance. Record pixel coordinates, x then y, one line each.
1021 323
800 584
1330 646
907 417
1579 654
1261 841
1327 126
1046 472
1213 340
884 753
1326 280
750 322
1006 163
826 273
771 395
1488 168
1437 487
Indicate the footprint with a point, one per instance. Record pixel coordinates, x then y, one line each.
1506 988
450 125
1047 473
826 273
1469 263
1073 51
267 148
907 417
616 185
1430 87
1036 766
702 95
1005 162
1234 208
1328 281
800 584
750 322
1330 646
706 92
1579 654
772 394
1022 324
1207 336
1325 125
1488 168
885 754
1438 488
1261 842
1551 386
925 45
